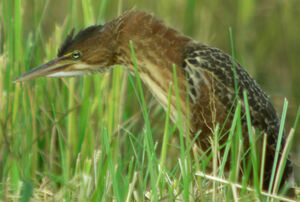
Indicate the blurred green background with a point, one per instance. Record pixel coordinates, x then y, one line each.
267 43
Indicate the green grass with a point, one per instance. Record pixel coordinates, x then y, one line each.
103 137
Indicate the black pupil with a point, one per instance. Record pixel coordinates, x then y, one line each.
76 54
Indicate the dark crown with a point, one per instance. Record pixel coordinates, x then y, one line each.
83 34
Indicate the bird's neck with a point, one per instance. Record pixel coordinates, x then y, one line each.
157 49
153 41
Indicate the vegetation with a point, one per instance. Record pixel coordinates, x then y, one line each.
103 137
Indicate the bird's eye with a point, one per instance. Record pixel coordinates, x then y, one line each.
76 54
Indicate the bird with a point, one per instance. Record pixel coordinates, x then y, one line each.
207 83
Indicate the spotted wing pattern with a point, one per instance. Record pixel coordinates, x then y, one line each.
200 60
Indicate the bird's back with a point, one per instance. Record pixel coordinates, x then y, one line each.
213 95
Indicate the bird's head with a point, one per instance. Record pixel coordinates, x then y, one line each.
91 50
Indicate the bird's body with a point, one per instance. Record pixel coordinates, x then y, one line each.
205 74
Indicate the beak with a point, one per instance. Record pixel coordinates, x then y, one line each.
54 68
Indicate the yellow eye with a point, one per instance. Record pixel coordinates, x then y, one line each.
76 54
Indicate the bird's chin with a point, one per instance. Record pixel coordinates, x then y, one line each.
68 73
79 72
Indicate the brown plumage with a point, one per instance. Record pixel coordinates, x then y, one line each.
205 75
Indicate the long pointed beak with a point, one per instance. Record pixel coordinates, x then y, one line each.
48 69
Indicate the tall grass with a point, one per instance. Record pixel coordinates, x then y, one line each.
95 137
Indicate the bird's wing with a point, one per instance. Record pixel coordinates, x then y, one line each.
199 58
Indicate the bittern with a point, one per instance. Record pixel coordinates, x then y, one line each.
205 75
